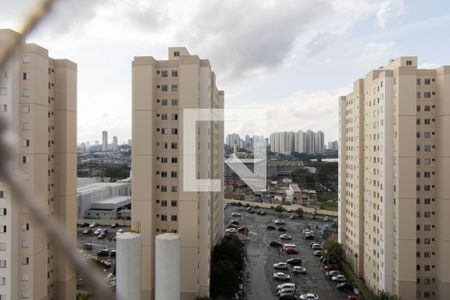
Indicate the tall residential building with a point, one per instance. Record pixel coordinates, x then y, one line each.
115 144
234 140
333 146
104 140
394 167
319 142
162 89
300 142
38 96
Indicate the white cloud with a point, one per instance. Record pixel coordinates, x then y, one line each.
387 10
376 53
428 66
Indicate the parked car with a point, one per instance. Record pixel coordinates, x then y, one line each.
103 253
287 296
339 278
330 267
114 225
309 236
326 219
316 247
275 244
120 231
286 290
299 270
87 231
113 253
285 285
282 229
279 222
291 251
270 227
285 237
345 286
281 266
235 214
309 296
87 246
243 229
93 225
317 253
231 230
234 222
332 273
295 261
261 213
83 224
97 231
290 210
101 236
281 276
292 217
232 226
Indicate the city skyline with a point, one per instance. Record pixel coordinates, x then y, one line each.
296 77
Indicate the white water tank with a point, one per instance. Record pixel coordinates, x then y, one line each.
167 266
128 266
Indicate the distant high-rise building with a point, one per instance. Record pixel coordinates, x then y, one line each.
38 97
288 142
104 141
319 143
394 168
300 142
234 140
333 146
115 144
162 90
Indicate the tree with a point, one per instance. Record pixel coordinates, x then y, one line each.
383 295
279 209
117 172
304 179
299 212
333 251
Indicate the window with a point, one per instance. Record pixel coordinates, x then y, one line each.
164 117
26 143
163 145
418 81
173 203
164 88
163 218
164 160
25 93
163 73
427 95
26 227
2 246
163 203
163 188
427 81
3 91
2 280
2 228
427 135
26 109
174 160
409 62
418 108
174 88
174 102
26 76
3 211
173 174
173 189
427 108
26 126
174 145
25 260
174 218
174 117
2 263
164 130
163 174
3 108
427 121
24 243
174 73
164 102
26 159
174 131
176 53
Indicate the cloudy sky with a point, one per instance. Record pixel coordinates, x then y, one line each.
288 58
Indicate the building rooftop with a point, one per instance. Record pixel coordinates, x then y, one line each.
111 203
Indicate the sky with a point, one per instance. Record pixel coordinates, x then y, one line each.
290 59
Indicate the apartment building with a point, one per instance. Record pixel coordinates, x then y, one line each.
288 142
394 163
38 97
162 90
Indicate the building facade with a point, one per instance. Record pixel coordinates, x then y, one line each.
38 96
394 161
162 89
104 140
288 142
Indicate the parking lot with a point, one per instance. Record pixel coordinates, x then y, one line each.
259 283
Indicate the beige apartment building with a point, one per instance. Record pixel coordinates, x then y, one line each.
38 96
394 172
162 89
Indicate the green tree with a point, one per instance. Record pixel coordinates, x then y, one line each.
279 209
299 212
304 179
117 172
383 295
333 251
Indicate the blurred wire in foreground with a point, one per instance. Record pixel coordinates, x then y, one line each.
8 156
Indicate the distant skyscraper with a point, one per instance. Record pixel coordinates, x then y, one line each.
38 97
104 141
333 146
162 89
394 170
115 145
319 143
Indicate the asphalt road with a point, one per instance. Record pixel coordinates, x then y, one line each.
259 283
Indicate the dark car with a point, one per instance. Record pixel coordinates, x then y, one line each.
282 229
275 244
309 237
295 261
243 229
345 286
234 222
291 251
287 296
87 246
232 226
113 253
270 227
261 213
103 253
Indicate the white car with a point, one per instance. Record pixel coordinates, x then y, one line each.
308 231
120 231
97 231
339 278
313 244
235 214
231 230
326 219
290 210
281 266
285 237
299 270
281 276
286 290
286 285
331 274
309 296
317 253
279 222
316 247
